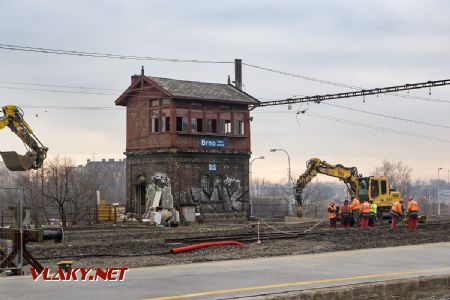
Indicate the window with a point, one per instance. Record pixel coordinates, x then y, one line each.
225 126
374 188
211 125
363 188
239 128
383 187
165 101
196 125
182 124
155 124
205 183
155 102
182 120
165 126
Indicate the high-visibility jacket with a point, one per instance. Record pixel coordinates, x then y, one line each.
331 211
355 204
345 210
373 208
413 206
365 208
397 208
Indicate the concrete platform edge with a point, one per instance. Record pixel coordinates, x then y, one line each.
408 289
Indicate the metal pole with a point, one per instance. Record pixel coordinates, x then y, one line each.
250 188
21 230
252 211
291 186
438 200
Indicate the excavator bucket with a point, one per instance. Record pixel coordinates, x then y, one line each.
17 162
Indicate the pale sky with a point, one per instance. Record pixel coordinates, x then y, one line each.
360 43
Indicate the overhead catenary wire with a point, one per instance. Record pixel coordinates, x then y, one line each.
375 127
388 116
149 58
106 55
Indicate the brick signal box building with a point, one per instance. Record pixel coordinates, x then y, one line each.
192 138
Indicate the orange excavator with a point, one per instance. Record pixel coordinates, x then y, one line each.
34 158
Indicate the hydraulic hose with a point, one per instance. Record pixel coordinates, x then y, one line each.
204 245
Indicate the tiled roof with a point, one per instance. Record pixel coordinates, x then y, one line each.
203 90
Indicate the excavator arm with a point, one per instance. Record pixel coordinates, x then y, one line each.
316 166
34 158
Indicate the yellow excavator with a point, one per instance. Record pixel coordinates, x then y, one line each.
34 158
365 188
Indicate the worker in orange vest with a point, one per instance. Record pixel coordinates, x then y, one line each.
413 213
355 206
345 212
365 214
332 214
396 213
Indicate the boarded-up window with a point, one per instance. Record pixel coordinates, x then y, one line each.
196 121
225 123
165 120
239 128
154 121
182 120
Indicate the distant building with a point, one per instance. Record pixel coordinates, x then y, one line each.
114 170
193 137
444 196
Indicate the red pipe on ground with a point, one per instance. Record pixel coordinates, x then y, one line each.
204 245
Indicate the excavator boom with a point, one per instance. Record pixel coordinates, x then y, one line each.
34 158
316 166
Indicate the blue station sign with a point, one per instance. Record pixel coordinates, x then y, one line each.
212 143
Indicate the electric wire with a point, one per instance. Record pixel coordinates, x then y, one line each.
385 129
387 116
106 55
58 86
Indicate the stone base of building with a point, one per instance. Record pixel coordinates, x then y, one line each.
215 183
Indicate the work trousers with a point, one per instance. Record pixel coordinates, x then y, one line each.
356 217
332 222
394 221
372 220
412 222
364 221
345 221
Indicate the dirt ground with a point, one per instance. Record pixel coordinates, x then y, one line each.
138 246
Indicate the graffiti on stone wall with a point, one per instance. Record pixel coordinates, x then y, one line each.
219 195
158 193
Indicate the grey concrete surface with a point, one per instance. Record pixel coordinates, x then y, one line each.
240 278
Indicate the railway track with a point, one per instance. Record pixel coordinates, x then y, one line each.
273 235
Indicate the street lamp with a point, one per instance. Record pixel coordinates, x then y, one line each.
22 199
439 202
289 176
250 183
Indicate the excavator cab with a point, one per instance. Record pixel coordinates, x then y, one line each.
378 190
34 158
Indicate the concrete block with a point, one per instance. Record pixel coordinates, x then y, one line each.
367 292
433 285
400 289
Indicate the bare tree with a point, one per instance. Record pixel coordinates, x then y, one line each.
32 186
58 178
258 187
398 173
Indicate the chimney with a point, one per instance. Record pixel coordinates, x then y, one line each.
134 78
238 73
